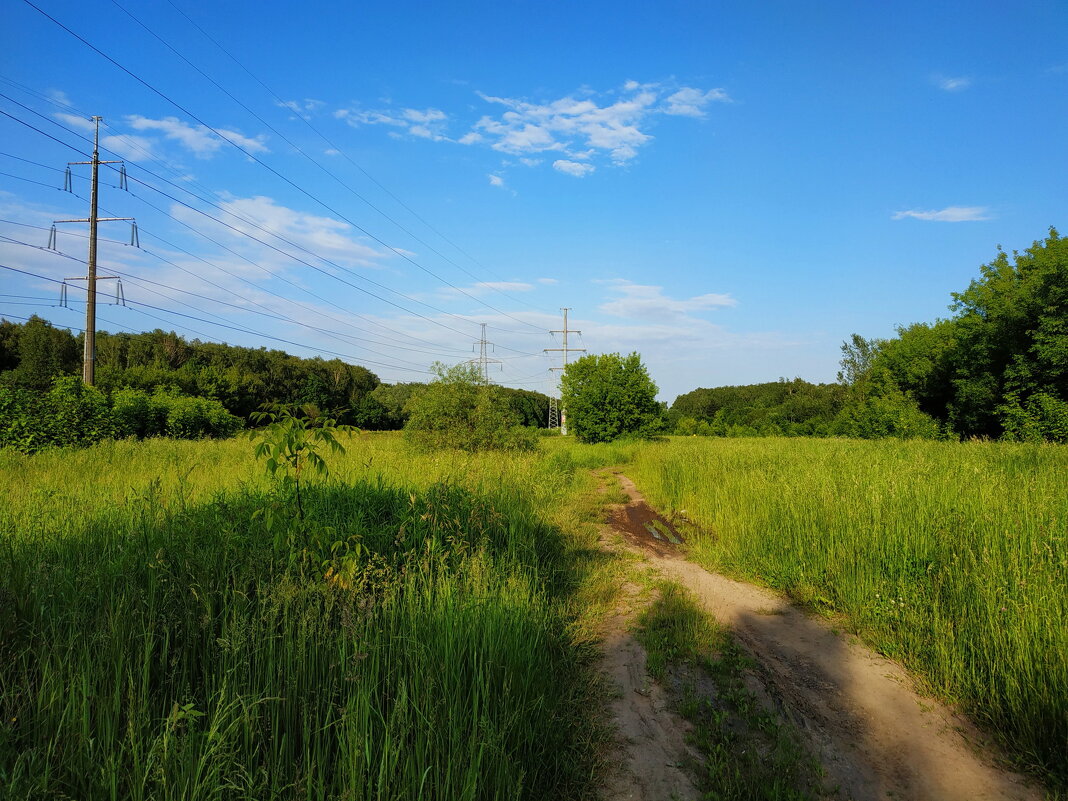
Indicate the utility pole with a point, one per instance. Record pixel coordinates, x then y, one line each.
89 357
484 361
564 350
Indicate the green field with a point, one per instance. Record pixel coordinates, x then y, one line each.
952 558
428 631
158 641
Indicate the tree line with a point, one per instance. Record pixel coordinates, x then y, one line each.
996 368
164 384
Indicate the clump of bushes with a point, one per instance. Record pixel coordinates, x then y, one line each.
458 411
71 414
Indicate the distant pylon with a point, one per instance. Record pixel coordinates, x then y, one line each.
564 350
484 361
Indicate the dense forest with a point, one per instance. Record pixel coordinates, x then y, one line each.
997 368
157 382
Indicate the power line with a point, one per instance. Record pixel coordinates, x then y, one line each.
222 325
276 235
333 146
268 167
331 174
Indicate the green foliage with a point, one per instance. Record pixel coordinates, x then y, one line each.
294 441
1043 418
72 414
458 411
191 418
241 379
610 396
779 408
44 352
878 408
999 366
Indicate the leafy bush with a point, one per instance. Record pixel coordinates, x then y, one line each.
135 415
193 418
72 414
457 411
1044 417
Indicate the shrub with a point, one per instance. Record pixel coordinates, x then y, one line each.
1043 417
457 411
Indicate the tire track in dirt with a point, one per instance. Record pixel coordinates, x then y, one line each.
875 736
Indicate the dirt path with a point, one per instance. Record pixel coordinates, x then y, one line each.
875 736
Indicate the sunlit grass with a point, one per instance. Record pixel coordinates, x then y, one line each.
158 641
951 557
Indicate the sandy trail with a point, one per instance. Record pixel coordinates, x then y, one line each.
875 736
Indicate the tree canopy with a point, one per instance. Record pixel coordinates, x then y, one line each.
999 365
610 396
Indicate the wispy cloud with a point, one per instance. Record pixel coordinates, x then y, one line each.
576 168
948 214
496 180
327 237
582 128
74 121
429 123
130 146
302 108
649 303
548 281
505 286
198 139
952 84
689 102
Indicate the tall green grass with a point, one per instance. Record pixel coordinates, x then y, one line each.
951 557
157 641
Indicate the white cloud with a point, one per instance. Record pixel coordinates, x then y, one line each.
428 123
130 146
584 128
198 139
302 108
74 121
549 281
331 152
689 102
331 239
948 214
575 168
951 84
496 180
649 303
60 97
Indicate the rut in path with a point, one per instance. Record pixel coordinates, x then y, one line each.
876 738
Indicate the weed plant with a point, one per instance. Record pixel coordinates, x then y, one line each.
950 557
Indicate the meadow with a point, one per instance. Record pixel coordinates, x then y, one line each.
422 633
169 629
951 558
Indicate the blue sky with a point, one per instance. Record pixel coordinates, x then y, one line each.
731 189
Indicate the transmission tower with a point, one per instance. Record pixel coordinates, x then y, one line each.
565 350
484 361
89 357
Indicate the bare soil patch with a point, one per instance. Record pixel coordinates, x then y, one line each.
875 735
